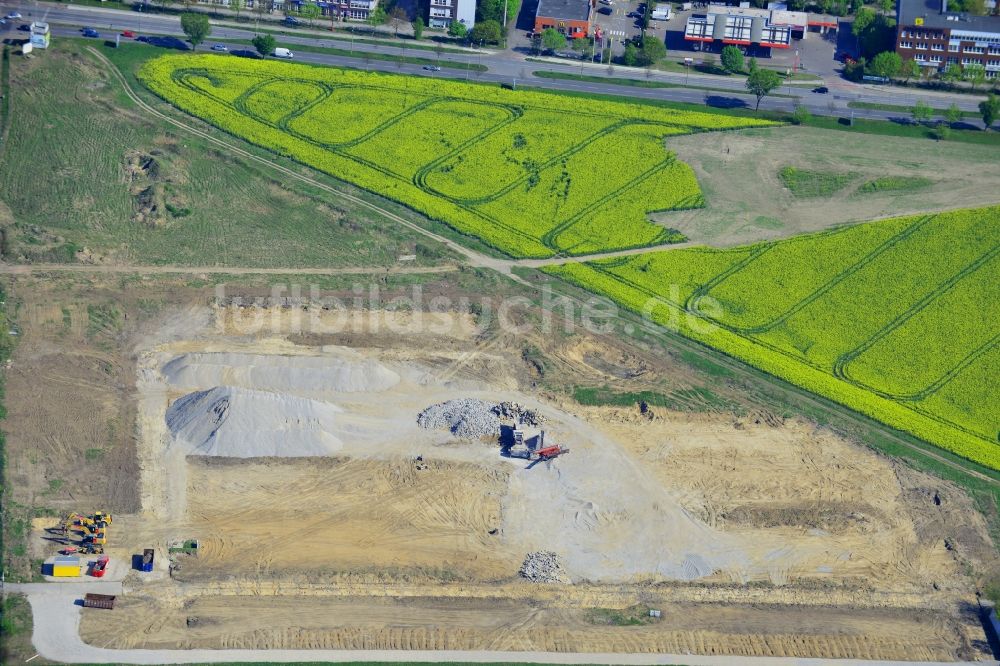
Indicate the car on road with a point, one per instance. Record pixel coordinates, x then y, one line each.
128 34
90 32
605 10
291 20
13 15
221 48
822 90
282 52
432 68
609 3
247 53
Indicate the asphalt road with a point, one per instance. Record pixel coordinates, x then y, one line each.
503 67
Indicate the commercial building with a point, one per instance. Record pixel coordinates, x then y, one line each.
445 12
573 18
744 26
935 37
358 10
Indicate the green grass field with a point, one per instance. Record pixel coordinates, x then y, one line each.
804 183
67 183
562 179
895 318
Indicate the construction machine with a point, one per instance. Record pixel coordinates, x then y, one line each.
549 452
101 518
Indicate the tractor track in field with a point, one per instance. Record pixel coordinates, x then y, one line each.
505 266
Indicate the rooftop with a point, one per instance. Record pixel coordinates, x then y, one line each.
930 11
572 10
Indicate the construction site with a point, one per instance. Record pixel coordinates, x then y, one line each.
423 490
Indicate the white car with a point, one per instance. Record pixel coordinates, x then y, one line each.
609 3
221 48
283 53
13 15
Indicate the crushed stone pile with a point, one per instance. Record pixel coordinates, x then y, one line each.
543 567
471 418
243 423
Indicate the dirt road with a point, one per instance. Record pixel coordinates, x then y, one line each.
57 619
24 269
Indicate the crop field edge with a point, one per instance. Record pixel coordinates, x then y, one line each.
936 431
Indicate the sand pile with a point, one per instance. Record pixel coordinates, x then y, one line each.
241 423
278 373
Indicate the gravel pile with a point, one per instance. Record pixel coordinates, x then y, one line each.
470 418
543 567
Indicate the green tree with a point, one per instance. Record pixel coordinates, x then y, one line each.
886 64
887 6
990 108
653 51
800 115
310 11
552 39
863 20
909 70
457 29
761 83
752 65
921 112
732 59
418 28
875 32
854 71
398 17
585 45
952 74
377 17
631 55
264 44
237 6
953 114
493 10
196 27
975 74
487 32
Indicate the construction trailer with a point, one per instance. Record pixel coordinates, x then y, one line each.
92 600
66 566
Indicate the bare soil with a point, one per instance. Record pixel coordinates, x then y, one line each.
792 541
747 202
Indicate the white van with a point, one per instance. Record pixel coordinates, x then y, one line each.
283 53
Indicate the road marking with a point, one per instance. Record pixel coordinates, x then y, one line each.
29 659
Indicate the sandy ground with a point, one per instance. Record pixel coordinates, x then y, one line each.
747 202
753 535
498 624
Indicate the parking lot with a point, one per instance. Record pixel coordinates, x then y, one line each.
619 20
